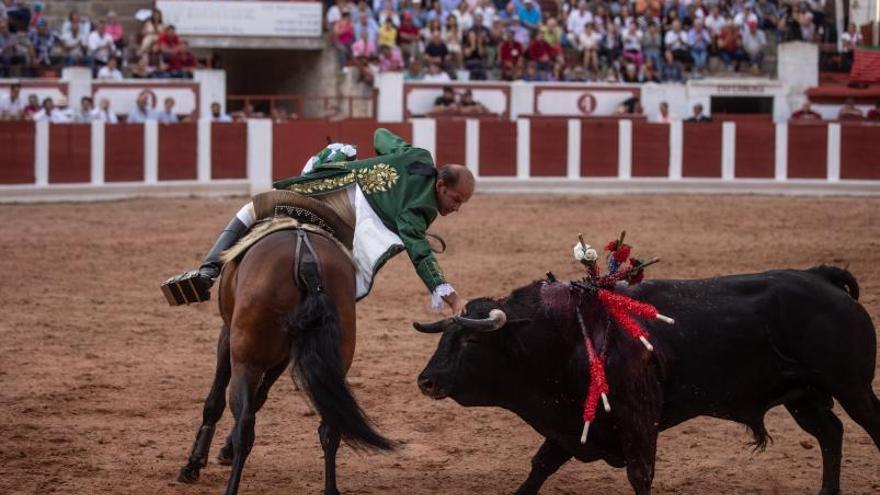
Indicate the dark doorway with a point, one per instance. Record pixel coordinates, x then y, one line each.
742 104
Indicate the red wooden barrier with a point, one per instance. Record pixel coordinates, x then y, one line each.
293 143
599 148
450 142
650 150
807 151
124 152
859 157
497 154
70 153
178 151
701 149
549 147
228 150
18 153
755 150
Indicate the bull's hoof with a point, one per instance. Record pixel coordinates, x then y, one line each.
332 492
188 474
224 457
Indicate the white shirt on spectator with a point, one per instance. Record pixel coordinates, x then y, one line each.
107 74
167 118
334 13
577 21
57 116
676 41
590 41
439 77
715 24
138 116
223 117
632 41
11 109
741 19
100 47
489 15
850 41
753 42
465 20
104 116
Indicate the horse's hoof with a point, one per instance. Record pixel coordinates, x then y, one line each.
224 457
188 474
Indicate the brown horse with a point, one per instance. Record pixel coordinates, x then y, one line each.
290 300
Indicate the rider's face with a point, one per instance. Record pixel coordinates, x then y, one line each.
450 199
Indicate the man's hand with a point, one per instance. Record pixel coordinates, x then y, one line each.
456 303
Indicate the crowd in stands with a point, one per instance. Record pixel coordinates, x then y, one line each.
31 47
16 106
575 40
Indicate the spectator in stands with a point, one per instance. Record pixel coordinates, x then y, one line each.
665 116
36 15
414 71
101 46
116 31
84 27
18 15
32 107
13 50
437 13
366 24
532 74
43 43
529 14
698 115
589 43
408 37
652 44
104 114
610 48
789 27
699 42
334 13
874 113
387 33
463 16
388 11
167 115
805 21
632 45
753 42
676 41
849 111
649 72
417 13
51 113
436 74
768 14
806 113
436 51
474 56
510 56
445 103
86 111
730 46
468 106
182 62
577 22
671 71
390 59
552 33
540 53
75 46
12 105
848 43
150 31
452 39
217 115
715 22
141 112
110 72
364 48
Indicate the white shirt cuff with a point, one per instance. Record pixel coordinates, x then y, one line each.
439 293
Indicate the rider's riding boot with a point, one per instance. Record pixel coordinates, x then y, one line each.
194 286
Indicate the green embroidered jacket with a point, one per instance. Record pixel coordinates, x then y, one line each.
398 184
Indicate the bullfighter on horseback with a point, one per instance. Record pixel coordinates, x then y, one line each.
389 201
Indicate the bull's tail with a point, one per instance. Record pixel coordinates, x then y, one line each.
316 364
839 277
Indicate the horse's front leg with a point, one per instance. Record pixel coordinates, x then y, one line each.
215 404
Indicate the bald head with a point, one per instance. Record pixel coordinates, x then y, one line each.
454 187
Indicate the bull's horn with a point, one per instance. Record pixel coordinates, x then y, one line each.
436 327
495 321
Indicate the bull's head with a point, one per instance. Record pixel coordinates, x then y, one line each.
486 355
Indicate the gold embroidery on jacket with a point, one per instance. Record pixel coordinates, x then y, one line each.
323 185
378 178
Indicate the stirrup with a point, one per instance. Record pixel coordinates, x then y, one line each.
187 288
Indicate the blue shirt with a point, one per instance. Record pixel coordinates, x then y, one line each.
136 116
530 17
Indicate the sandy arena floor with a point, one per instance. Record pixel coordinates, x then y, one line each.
101 383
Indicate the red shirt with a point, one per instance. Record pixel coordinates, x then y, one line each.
510 52
407 29
168 41
873 114
182 60
540 50
806 115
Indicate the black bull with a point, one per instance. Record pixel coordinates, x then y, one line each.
740 345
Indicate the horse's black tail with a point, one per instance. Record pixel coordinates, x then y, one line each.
839 277
316 364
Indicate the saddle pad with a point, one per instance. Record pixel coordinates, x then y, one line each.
266 227
305 209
